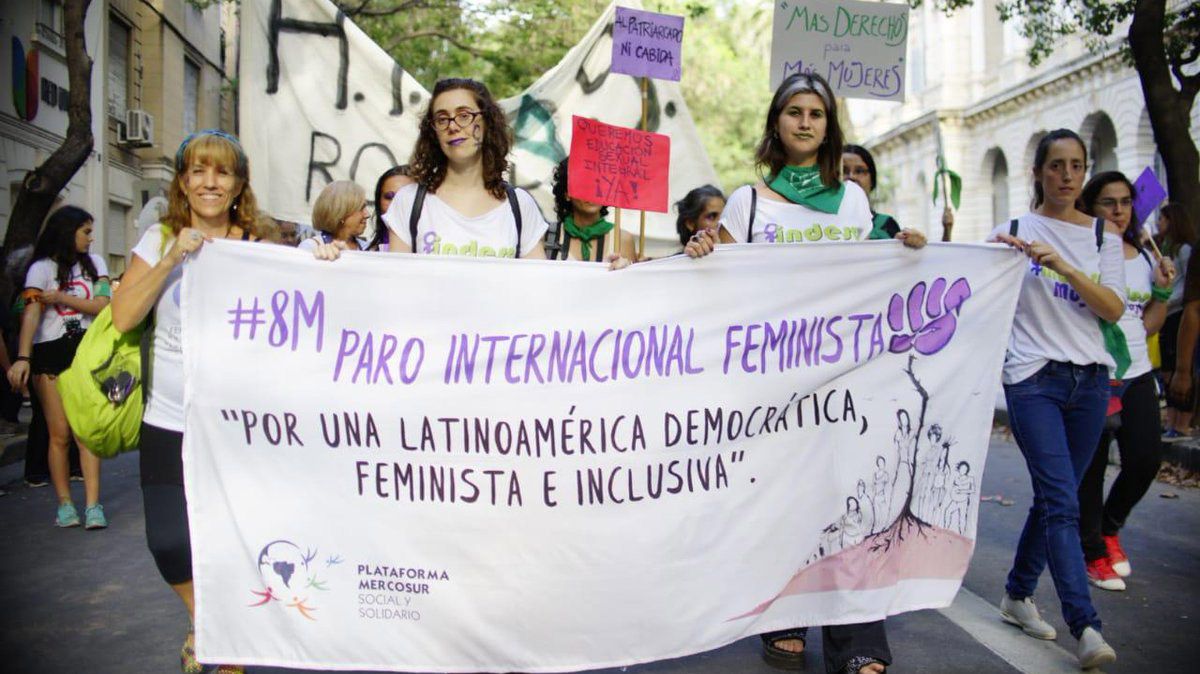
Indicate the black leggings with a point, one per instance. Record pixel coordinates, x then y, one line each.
167 532
1138 440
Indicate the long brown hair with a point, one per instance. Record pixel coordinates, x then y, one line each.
427 165
1181 231
219 149
771 156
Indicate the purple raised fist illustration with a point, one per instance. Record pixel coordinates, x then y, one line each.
931 316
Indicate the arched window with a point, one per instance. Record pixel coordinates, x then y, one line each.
1000 211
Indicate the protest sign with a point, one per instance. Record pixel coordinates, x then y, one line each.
621 167
647 44
858 47
450 481
1148 194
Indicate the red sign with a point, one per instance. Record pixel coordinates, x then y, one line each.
616 166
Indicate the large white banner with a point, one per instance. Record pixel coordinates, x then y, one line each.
319 101
462 465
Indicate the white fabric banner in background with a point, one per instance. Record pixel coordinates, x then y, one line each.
340 108
462 465
318 101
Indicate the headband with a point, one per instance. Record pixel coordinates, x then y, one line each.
241 154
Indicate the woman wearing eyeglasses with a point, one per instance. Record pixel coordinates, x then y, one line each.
858 166
699 210
1148 291
460 204
386 188
340 215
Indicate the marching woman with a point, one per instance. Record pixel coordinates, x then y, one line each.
209 198
340 215
1175 238
460 204
385 190
1148 290
582 228
801 154
65 287
1056 383
699 209
859 166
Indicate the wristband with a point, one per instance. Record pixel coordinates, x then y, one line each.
1160 294
20 358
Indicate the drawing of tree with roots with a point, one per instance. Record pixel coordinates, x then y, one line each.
906 522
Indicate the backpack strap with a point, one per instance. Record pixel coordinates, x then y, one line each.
1099 234
1012 226
415 215
600 248
245 235
564 250
1146 257
516 211
753 212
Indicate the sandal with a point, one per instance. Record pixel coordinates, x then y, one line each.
187 655
855 664
781 658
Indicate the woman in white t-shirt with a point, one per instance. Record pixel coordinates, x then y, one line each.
801 198
1135 389
462 204
339 216
65 287
1056 383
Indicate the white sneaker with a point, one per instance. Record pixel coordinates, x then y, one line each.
1024 614
1093 650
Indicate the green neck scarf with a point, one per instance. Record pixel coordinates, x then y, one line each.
802 185
586 235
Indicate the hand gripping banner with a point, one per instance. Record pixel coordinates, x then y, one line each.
460 465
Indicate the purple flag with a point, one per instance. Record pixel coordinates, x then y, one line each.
1148 194
646 44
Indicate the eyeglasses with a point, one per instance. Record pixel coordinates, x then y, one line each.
462 120
1113 203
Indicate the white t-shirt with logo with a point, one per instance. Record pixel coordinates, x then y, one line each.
164 407
1052 322
1139 281
785 222
57 318
441 230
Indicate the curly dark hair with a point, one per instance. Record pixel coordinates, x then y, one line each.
562 202
690 208
57 243
427 165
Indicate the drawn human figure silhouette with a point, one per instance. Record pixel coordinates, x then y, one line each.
864 500
831 537
905 455
879 495
960 498
853 531
925 479
941 482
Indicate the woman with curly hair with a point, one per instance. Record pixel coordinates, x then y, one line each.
460 204
582 232
65 287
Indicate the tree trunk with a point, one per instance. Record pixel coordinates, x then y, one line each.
1170 109
43 184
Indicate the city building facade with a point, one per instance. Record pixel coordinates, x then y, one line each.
970 82
161 70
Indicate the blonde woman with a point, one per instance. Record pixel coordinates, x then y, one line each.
340 215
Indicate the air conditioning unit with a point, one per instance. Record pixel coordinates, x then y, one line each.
137 130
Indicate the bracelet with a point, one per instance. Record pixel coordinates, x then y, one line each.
1160 294
19 358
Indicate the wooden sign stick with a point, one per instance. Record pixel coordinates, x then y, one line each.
641 247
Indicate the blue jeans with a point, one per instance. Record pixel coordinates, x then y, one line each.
1057 415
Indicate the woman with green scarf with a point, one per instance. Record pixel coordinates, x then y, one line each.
802 199
582 232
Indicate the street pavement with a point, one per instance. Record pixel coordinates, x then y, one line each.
91 602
